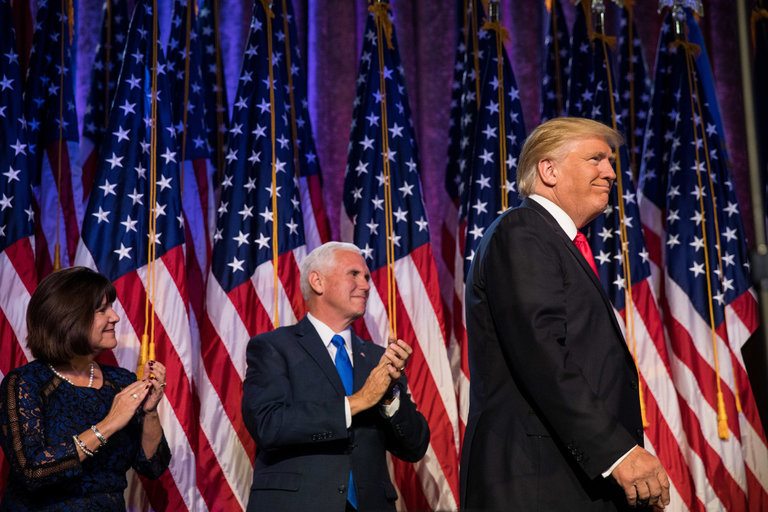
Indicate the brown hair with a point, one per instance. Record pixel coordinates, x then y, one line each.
547 140
60 313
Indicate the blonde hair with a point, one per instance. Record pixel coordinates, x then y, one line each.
549 138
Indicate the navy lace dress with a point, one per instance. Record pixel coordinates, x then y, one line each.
39 414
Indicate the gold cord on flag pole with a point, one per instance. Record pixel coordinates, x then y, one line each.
275 247
219 94
494 25
291 95
629 301
383 24
722 416
185 115
713 204
148 337
65 6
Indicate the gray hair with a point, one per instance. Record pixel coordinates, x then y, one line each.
319 259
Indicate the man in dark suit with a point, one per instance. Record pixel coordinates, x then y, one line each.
554 419
322 425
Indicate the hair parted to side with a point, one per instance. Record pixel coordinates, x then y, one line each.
320 259
61 311
549 138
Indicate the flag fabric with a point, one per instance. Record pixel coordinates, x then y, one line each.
463 103
133 234
697 252
17 272
259 240
616 239
214 86
106 66
53 134
383 214
317 227
633 86
556 56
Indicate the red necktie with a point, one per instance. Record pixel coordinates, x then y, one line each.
583 246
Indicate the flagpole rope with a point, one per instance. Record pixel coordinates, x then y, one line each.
291 95
494 25
270 15
65 6
475 51
108 61
631 63
722 416
713 201
629 301
556 42
148 337
383 24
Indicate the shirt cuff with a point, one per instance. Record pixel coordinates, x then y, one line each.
608 472
391 408
347 412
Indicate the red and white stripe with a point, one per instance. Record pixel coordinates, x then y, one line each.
730 474
453 236
317 228
230 321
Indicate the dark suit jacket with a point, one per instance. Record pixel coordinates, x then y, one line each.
553 387
293 406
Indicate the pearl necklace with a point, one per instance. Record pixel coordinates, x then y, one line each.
62 377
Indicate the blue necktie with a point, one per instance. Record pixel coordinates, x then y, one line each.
344 367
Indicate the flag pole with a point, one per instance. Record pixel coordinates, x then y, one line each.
760 253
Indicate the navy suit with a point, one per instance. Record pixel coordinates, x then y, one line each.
554 398
293 406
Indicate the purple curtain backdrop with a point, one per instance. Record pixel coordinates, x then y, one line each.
330 35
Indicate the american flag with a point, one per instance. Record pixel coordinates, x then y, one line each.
698 252
106 66
214 86
557 53
383 214
133 234
52 131
622 258
17 272
258 242
317 227
465 105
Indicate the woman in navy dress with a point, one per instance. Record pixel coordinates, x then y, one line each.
69 426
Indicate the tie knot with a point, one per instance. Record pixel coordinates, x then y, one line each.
579 238
338 341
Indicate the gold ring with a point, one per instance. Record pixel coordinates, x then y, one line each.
134 396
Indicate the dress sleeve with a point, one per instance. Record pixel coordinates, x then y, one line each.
37 463
154 466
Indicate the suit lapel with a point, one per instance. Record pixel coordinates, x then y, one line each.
311 342
571 247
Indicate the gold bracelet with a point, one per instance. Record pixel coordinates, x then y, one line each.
99 435
82 446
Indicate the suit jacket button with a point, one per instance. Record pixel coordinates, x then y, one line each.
342 489
633 384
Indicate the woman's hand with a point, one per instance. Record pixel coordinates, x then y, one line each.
124 406
156 380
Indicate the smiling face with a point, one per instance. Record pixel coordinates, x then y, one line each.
341 288
580 180
103 327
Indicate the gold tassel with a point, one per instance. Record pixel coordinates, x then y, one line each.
722 417
56 257
144 355
379 10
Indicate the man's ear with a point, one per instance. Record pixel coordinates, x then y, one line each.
316 282
547 172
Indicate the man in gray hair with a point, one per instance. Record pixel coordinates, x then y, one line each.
324 406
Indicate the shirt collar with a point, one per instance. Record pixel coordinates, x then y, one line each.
326 333
562 218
